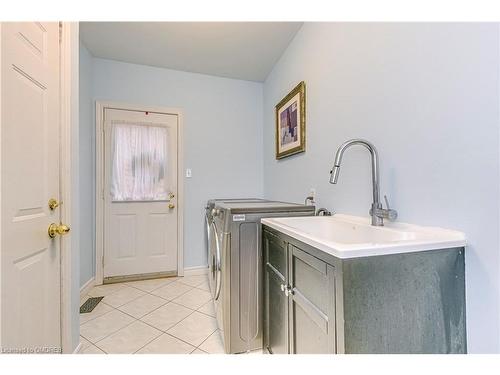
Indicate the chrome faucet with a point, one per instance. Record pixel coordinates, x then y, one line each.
377 213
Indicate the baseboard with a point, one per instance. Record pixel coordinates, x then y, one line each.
85 289
190 271
136 277
198 270
78 348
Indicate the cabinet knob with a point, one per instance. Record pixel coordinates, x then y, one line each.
287 289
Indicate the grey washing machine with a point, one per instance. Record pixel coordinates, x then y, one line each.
211 239
237 267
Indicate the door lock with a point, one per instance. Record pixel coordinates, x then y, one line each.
53 204
57 229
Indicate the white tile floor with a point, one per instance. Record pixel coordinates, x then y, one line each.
170 316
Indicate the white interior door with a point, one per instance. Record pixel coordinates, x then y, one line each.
30 139
140 191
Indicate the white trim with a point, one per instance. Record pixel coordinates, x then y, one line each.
1 127
193 271
180 195
498 202
100 106
78 348
99 186
85 289
69 175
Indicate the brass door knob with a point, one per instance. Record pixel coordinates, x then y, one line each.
171 206
55 229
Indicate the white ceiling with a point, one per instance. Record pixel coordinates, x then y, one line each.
241 50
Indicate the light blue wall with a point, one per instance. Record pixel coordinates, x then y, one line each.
427 97
86 165
222 120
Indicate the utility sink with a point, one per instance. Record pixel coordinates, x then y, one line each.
346 236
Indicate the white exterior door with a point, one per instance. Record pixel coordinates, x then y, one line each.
30 140
140 193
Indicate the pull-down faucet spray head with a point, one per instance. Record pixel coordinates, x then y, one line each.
334 174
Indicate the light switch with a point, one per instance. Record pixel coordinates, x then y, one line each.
188 173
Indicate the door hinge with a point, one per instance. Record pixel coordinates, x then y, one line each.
60 31
102 262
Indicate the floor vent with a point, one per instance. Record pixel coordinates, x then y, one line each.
90 304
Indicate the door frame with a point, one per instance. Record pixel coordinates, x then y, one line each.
69 180
100 107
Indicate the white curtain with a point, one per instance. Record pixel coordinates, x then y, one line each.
139 162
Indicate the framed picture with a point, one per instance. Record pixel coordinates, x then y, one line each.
291 123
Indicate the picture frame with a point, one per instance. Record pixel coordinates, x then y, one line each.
291 123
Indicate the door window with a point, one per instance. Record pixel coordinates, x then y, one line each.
139 162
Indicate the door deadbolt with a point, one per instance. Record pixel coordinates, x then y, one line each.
53 204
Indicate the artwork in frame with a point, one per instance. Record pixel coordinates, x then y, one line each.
291 123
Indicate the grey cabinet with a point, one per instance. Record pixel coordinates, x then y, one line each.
398 303
275 301
299 302
311 304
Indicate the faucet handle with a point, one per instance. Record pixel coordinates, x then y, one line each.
389 213
386 202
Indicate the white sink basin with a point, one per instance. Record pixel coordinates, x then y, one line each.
345 236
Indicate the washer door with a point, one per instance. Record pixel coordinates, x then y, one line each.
210 252
214 259
208 221
217 272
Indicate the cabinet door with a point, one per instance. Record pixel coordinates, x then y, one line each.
275 301
311 304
